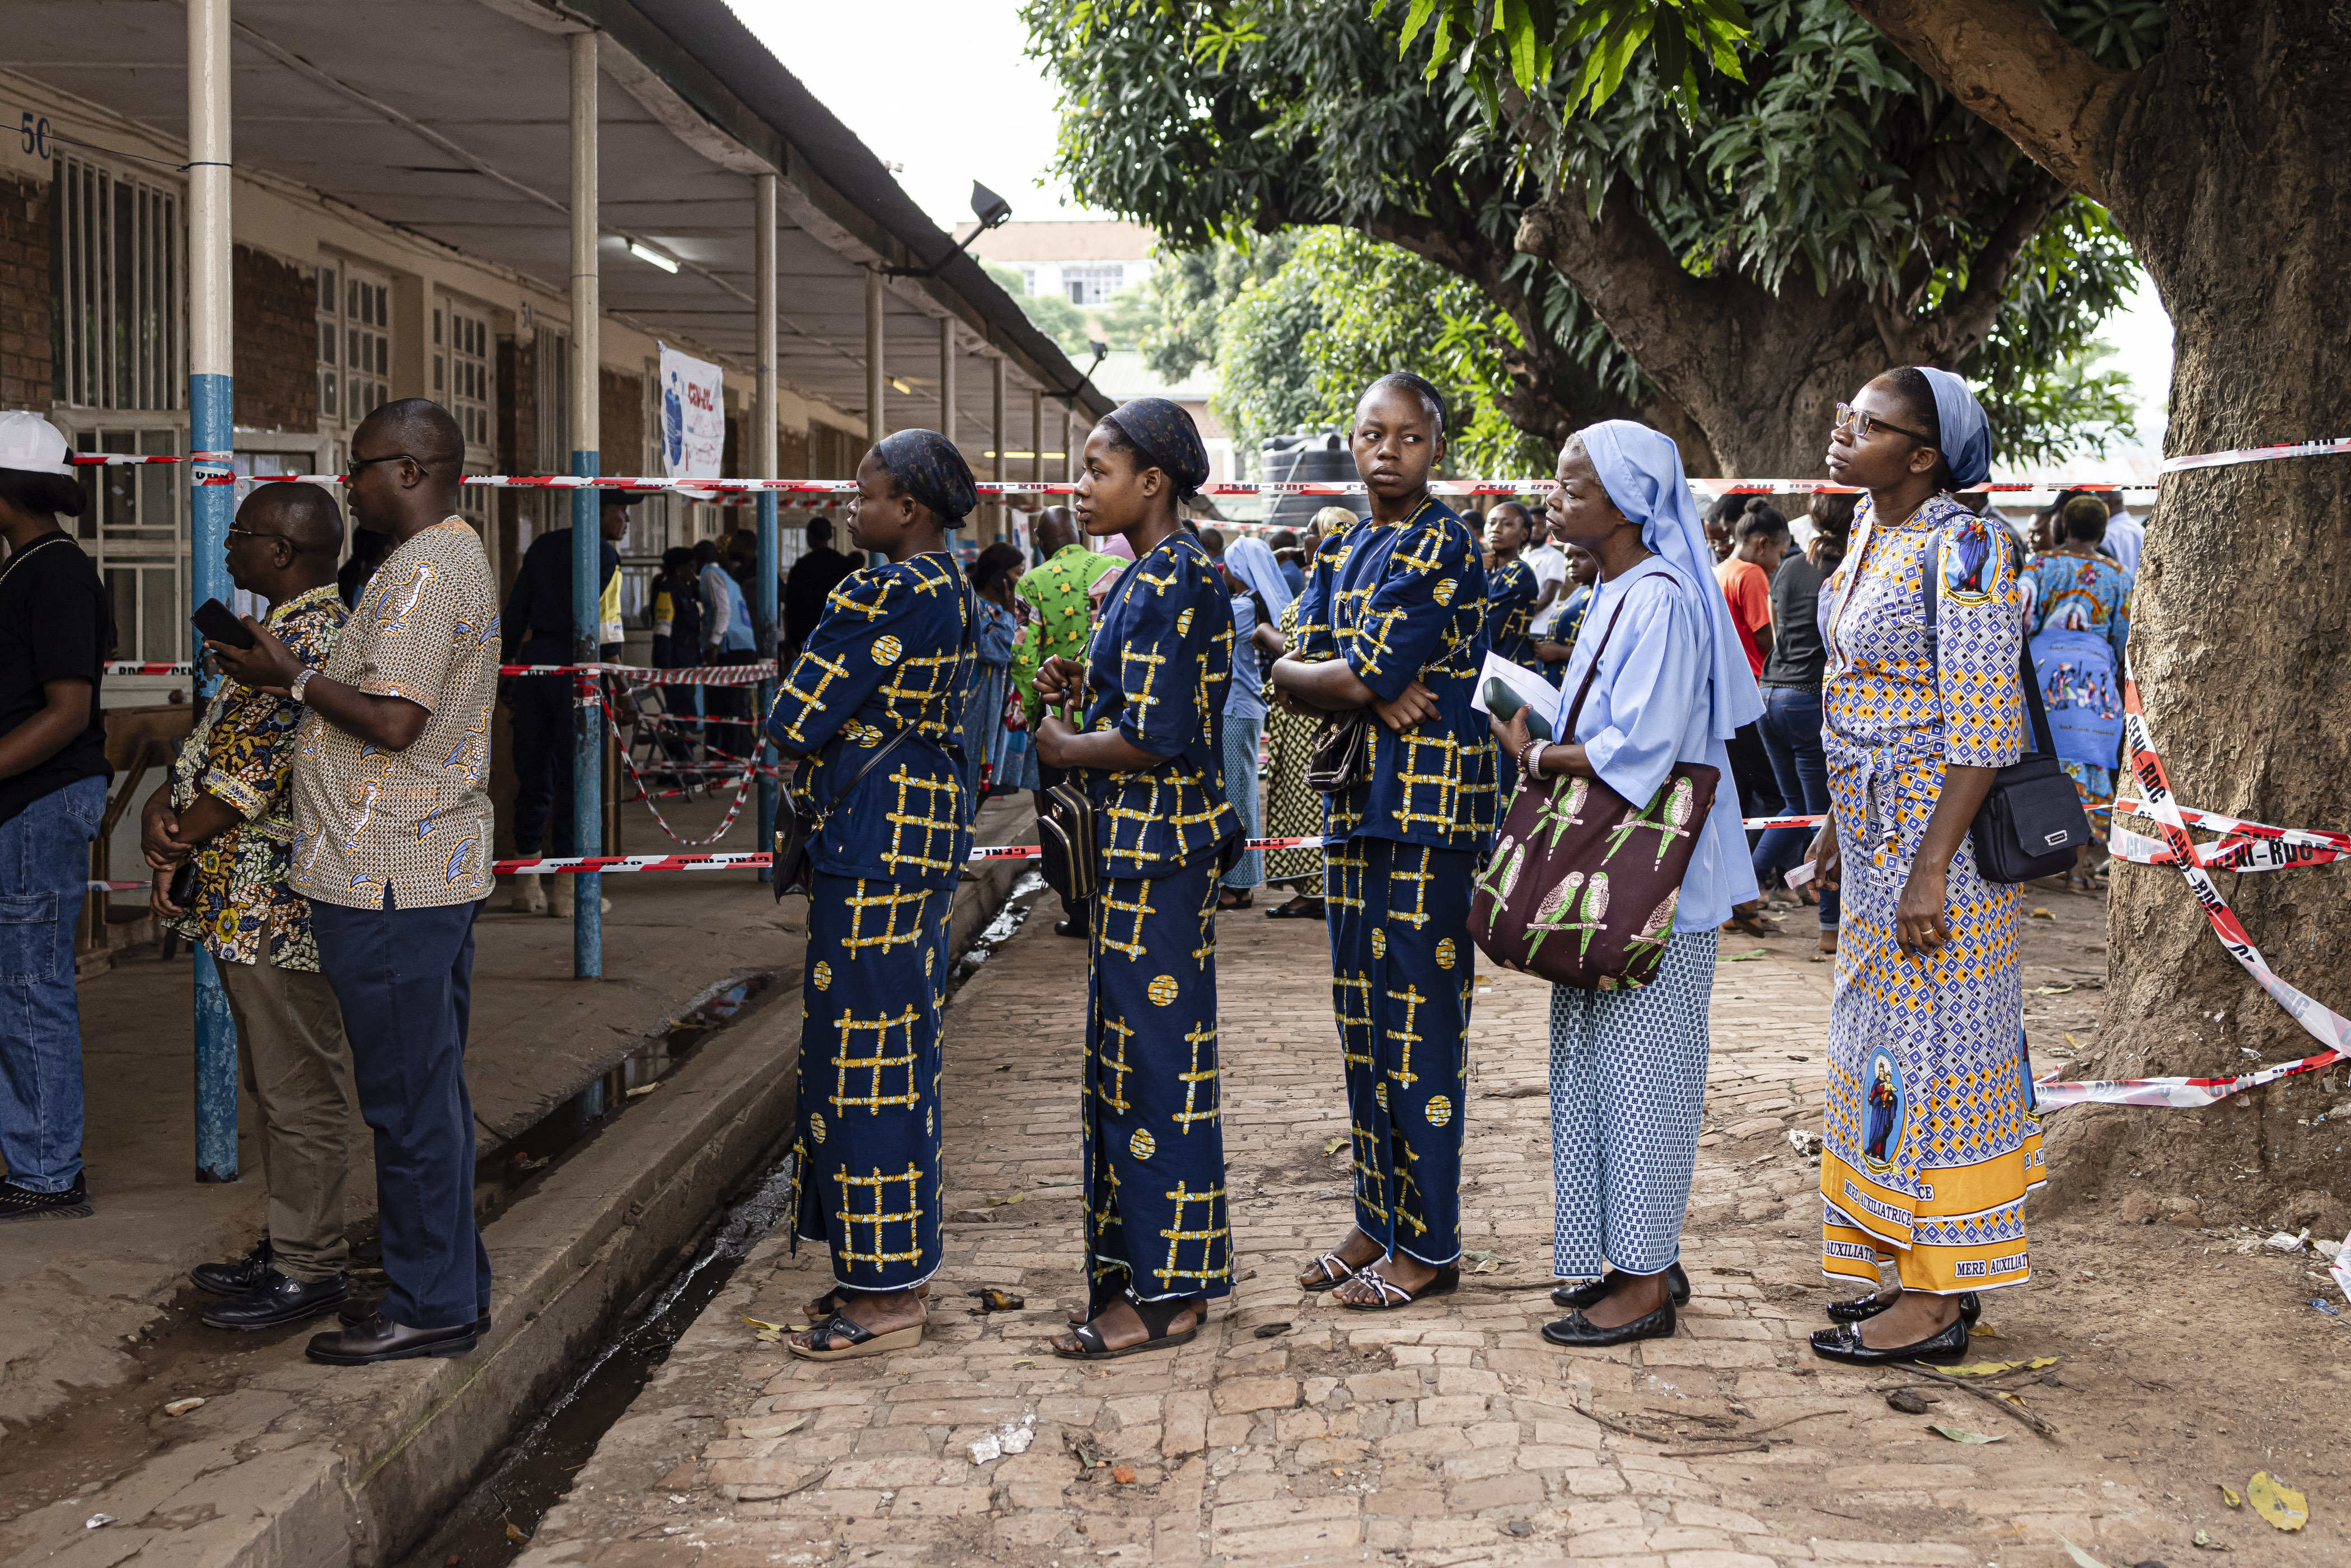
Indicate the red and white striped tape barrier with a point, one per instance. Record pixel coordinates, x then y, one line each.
643 675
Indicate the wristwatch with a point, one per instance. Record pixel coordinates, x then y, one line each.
300 681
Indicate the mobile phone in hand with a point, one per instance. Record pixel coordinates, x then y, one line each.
219 624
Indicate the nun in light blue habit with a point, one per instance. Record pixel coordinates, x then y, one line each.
1671 685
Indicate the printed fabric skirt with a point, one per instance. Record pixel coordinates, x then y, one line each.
1292 808
1628 1090
1241 735
866 1176
1402 974
1156 1224
1931 1140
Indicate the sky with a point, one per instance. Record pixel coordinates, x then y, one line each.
997 124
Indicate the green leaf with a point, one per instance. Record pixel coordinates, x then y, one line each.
1961 1435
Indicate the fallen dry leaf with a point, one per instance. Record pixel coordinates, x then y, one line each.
1122 1474
2228 1495
779 1429
2081 1558
2041 914
513 1534
639 1093
1960 1433
2277 1503
1001 1202
181 1407
1331 1145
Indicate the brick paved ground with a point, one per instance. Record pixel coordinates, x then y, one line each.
1447 1433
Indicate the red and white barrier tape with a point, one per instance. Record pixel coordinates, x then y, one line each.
643 675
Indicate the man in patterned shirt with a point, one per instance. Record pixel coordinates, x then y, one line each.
393 847
225 816
1059 626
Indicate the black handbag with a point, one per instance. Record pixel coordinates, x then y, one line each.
790 868
2031 822
1065 838
1341 757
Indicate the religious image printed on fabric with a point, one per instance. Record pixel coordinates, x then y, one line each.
1931 1140
867 1180
241 754
1399 602
1402 974
1155 671
415 821
1156 1221
888 657
1511 589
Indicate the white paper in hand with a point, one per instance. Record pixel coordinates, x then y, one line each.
1538 694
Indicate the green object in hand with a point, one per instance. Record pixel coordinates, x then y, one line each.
1503 702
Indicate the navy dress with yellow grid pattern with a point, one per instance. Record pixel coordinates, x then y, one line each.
890 657
1511 589
1399 602
1157 1222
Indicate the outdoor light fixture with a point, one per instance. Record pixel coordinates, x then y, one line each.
646 252
990 209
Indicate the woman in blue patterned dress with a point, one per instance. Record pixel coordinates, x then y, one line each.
2078 602
1511 588
1931 1141
1158 1243
985 739
870 711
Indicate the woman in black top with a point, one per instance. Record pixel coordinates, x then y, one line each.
1791 726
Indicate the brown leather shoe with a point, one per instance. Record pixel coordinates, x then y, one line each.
380 1339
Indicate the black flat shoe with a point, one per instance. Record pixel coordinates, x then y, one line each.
1076 928
356 1312
1577 1332
1859 1308
278 1300
1578 1297
242 1278
1843 1343
1309 911
380 1339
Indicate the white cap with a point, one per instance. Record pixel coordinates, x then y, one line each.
31 444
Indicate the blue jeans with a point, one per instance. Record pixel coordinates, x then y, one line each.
43 870
1791 728
1241 738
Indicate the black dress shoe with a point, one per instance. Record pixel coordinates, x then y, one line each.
239 1279
1078 928
380 1339
1859 1308
1579 1332
1578 1297
1843 1343
278 1300
356 1312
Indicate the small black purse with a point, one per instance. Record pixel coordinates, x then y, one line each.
1341 757
1065 838
2031 822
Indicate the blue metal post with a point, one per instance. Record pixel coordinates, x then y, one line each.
212 407
763 627
588 727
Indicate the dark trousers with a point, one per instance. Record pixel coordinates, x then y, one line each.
1080 912
1791 738
539 713
404 979
1750 765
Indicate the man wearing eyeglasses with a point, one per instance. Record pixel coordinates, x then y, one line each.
393 835
220 836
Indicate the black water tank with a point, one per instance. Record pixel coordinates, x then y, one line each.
1310 459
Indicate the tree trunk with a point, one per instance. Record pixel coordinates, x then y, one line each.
2225 166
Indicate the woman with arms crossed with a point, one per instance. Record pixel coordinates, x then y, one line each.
1670 682
1931 1141
1158 1242
887 666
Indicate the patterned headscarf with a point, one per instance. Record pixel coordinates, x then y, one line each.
927 467
1642 471
1966 432
1167 439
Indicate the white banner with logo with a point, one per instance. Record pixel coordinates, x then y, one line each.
693 415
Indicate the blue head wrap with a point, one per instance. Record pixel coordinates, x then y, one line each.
1251 560
1966 433
1642 471
927 467
1167 439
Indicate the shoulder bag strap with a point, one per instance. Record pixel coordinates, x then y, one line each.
1576 710
1932 567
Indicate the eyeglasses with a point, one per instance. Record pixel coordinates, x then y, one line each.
248 533
1864 425
352 470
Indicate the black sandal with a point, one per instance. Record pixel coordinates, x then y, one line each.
1230 899
1395 1297
1155 1316
840 1339
1330 1281
1310 910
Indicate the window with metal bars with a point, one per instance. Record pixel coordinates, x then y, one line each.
117 260
354 309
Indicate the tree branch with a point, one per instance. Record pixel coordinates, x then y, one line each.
1968 315
2002 60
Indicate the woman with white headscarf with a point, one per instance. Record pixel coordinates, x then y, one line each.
1628 1068
1931 1141
1256 640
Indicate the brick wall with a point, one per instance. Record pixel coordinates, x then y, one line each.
24 359
275 308
517 447
620 428
791 454
833 454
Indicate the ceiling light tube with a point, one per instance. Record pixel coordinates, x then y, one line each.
646 252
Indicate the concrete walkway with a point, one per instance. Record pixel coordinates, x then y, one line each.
1292 1432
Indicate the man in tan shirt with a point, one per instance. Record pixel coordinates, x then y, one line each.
393 836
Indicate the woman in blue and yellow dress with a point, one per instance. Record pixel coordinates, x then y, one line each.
1511 586
1931 1141
1158 1242
886 667
1392 619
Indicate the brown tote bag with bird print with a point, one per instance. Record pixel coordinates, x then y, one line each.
1582 886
